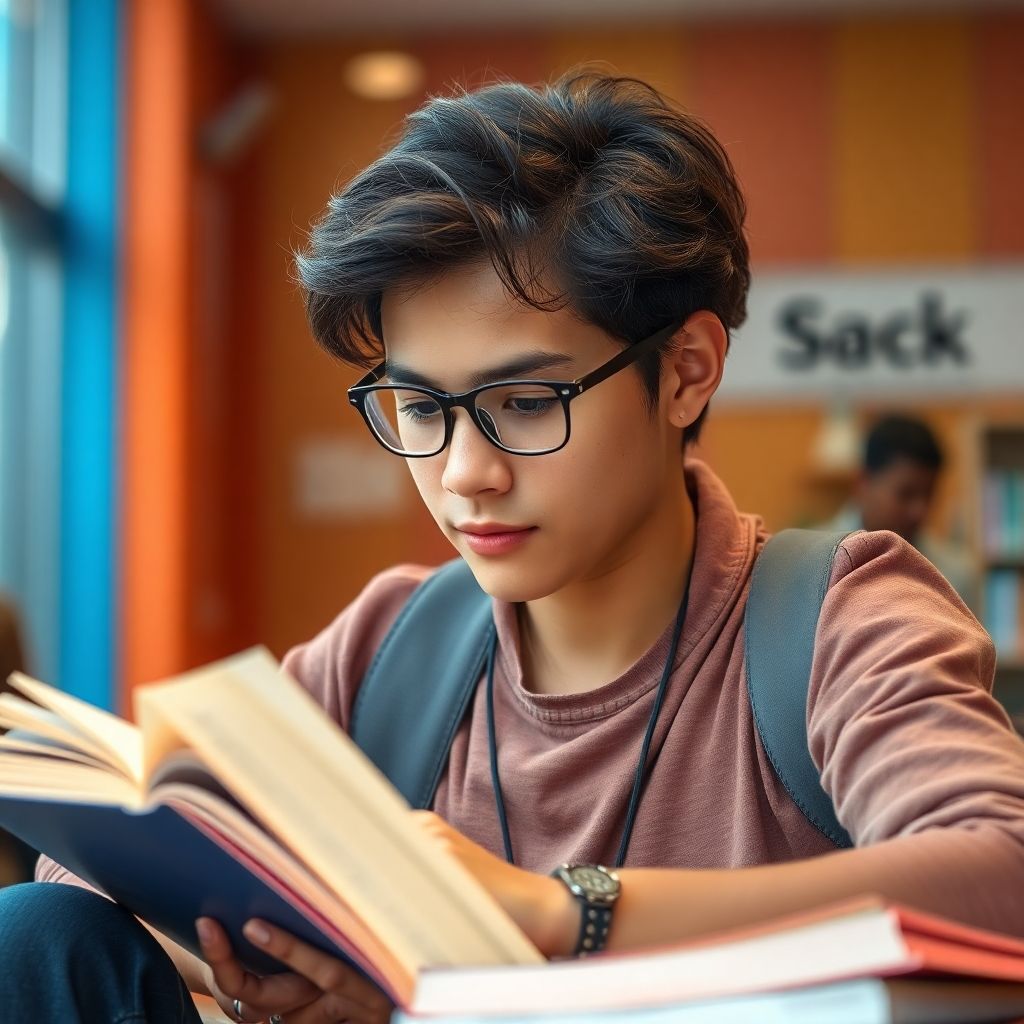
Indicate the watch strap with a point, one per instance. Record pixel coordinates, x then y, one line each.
595 922
595 910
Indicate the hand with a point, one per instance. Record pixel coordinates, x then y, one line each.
319 990
229 980
541 906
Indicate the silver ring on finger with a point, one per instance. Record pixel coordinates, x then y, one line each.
275 1018
236 1006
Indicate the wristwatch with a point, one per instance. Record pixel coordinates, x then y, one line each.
596 888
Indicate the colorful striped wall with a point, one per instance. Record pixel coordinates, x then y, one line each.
860 141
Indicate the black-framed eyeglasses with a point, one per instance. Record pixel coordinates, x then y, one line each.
522 417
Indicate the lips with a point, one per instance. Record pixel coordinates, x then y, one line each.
487 529
493 539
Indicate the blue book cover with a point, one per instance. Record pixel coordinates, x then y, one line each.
161 867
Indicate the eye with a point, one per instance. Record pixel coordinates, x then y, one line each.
530 405
420 410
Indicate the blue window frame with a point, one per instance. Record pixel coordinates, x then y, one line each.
58 301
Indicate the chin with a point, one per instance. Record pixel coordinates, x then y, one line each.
512 580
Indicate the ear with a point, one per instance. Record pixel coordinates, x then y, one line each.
692 367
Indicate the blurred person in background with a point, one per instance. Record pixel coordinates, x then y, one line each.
902 461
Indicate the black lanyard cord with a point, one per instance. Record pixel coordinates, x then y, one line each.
492 744
641 766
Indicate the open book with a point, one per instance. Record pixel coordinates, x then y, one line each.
237 797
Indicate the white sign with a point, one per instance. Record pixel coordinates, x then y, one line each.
347 478
880 334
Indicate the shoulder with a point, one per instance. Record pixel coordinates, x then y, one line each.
889 615
883 563
332 664
901 720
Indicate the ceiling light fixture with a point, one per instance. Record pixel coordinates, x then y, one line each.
384 75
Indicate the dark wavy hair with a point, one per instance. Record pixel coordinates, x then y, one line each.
596 183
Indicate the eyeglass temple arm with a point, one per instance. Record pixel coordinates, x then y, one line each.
624 358
371 376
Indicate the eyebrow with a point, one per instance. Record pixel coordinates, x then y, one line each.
528 363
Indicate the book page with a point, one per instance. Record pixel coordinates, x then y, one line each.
24 743
40 778
119 738
276 750
32 721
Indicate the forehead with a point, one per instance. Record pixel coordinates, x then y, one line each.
906 472
466 317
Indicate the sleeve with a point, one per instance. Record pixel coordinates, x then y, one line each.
48 870
330 666
914 750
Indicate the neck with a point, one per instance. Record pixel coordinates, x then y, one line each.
589 633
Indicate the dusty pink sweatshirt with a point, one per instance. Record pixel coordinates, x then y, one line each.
920 761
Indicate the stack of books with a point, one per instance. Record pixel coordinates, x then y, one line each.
236 797
861 962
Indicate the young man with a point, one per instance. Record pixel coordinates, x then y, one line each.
543 283
898 476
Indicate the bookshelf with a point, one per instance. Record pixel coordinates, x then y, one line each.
999 544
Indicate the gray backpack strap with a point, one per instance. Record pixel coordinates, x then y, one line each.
786 593
416 692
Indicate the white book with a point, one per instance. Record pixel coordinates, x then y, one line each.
865 1001
861 939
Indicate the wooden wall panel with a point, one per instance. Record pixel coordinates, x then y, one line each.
998 136
904 158
764 89
657 54
473 59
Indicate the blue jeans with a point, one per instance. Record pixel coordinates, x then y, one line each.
68 956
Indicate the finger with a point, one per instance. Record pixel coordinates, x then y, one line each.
327 972
228 973
283 991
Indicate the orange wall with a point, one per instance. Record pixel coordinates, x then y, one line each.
154 591
180 593
858 140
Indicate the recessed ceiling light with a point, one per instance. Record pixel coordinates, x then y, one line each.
384 75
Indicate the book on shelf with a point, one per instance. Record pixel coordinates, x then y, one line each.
235 796
1003 514
1004 611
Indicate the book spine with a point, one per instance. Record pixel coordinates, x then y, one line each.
1003 610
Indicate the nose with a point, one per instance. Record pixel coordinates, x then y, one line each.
472 463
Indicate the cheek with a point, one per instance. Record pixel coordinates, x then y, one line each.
611 464
426 475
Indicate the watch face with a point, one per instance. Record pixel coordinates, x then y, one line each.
593 880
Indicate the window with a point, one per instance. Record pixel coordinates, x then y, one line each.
33 89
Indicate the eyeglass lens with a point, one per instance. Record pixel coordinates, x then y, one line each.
520 417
